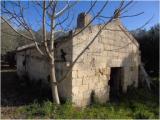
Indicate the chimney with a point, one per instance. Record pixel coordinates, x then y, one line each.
83 19
116 13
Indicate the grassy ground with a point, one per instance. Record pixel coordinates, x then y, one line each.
20 102
135 104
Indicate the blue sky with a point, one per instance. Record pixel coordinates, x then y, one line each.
150 8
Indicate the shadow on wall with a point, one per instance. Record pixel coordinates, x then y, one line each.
131 70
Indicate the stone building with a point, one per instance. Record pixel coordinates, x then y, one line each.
105 69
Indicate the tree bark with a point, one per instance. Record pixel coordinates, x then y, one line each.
54 87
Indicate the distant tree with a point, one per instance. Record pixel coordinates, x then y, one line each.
149 46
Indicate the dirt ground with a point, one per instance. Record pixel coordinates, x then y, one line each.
16 92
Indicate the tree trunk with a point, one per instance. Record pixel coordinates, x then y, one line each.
145 76
54 87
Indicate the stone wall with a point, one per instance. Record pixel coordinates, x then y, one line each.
112 48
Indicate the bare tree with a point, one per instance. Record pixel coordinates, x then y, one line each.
47 10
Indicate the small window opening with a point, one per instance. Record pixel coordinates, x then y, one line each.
48 78
63 55
24 62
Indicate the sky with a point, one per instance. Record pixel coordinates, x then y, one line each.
150 9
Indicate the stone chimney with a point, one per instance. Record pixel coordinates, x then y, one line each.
116 13
83 19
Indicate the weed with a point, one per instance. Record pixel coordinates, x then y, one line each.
135 104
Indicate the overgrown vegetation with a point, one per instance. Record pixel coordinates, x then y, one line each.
149 47
135 104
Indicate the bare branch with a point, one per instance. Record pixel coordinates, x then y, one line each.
68 6
38 49
92 5
59 23
19 18
37 2
63 78
50 3
27 37
129 3
129 7
125 15
90 9
44 29
149 20
75 34
52 29
69 24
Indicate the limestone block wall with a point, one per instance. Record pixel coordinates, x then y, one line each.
91 73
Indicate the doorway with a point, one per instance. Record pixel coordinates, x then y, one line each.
115 83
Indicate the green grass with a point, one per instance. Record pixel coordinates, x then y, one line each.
135 104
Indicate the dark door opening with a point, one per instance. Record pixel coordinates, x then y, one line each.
115 83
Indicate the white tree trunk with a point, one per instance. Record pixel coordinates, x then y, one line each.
54 87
